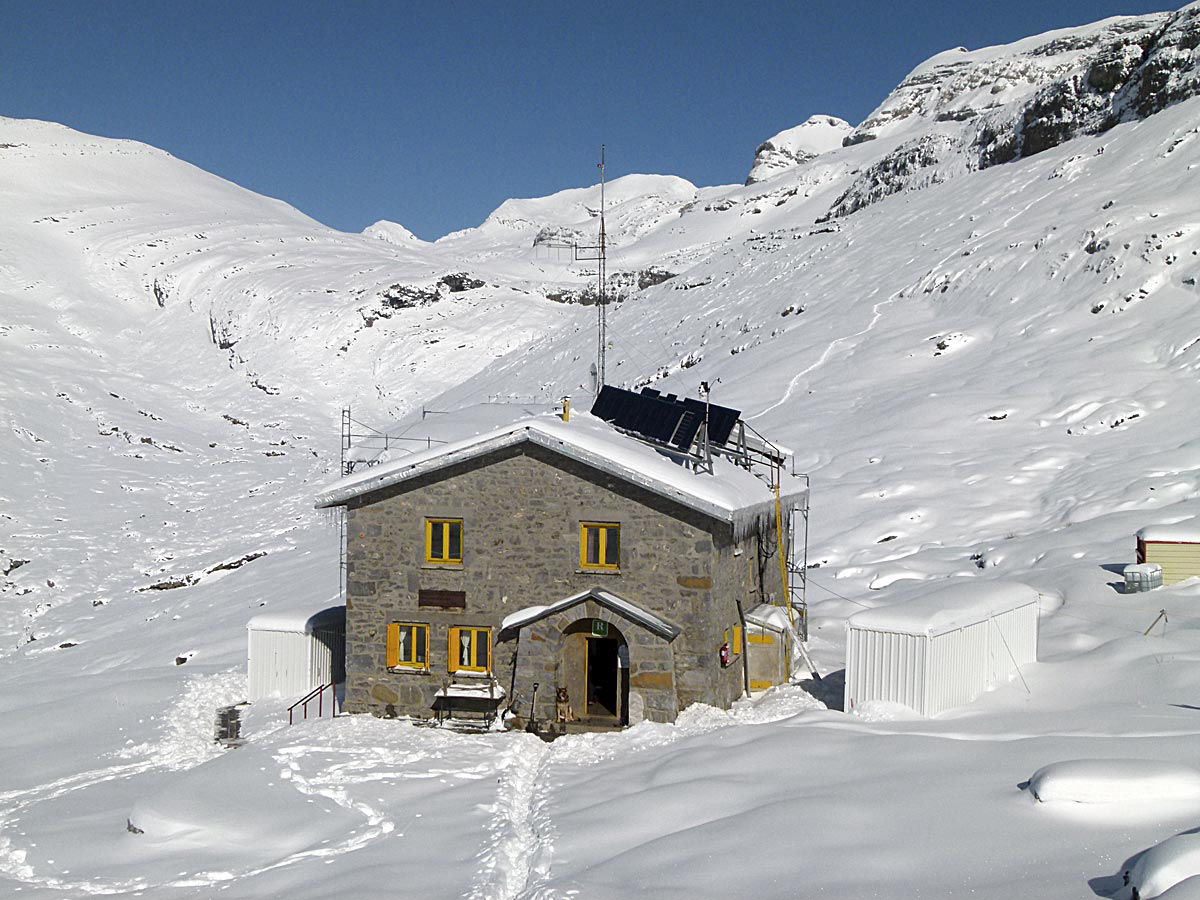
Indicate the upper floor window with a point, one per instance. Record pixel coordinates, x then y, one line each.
407 646
470 649
599 545
443 541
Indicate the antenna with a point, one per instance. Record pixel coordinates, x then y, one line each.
597 253
601 309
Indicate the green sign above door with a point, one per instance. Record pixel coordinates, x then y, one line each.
599 628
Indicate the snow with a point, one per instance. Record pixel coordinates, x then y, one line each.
1188 889
947 608
1125 781
177 351
298 621
392 232
1185 532
729 493
490 690
768 616
1165 865
631 611
814 136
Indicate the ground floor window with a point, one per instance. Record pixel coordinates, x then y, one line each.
470 649
407 646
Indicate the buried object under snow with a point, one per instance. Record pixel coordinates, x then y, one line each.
1114 781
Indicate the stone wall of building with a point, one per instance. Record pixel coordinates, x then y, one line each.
522 508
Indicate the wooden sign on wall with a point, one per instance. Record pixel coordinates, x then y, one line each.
442 599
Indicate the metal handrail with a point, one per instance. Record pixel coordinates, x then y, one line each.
318 694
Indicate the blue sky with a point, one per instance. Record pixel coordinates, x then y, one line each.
432 114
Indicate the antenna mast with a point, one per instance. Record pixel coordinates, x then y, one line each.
601 310
583 252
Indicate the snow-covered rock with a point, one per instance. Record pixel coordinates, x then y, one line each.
808 140
1115 781
1175 860
392 232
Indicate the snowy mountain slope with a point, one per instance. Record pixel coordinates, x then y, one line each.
962 111
1048 322
175 346
989 372
811 138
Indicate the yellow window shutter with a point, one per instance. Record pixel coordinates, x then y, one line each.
455 645
737 638
393 645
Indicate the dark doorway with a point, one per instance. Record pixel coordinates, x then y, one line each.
602 677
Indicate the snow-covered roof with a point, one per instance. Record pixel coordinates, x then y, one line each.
631 611
729 494
1185 532
298 621
1145 569
947 608
767 615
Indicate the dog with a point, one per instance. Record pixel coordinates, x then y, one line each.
562 706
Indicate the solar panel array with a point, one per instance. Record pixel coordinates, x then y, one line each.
666 420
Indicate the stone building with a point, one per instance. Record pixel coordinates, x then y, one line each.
559 569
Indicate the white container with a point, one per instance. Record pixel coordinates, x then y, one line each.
943 649
1142 577
289 654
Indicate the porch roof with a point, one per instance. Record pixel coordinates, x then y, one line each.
648 620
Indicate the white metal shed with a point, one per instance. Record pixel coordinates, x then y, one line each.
290 653
1174 547
943 649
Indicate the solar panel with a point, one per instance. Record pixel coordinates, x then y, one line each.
665 420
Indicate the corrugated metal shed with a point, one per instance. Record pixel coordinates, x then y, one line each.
1174 547
289 654
943 649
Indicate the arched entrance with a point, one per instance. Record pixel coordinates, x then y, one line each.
594 670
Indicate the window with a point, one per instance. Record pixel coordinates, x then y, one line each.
443 541
599 545
407 646
470 649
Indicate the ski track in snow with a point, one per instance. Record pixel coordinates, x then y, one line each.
876 315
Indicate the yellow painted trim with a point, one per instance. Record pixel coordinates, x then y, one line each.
455 659
445 559
761 638
393 646
603 548
761 685
737 640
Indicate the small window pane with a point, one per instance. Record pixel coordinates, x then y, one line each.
464 656
436 543
421 639
593 545
481 650
455 529
612 545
